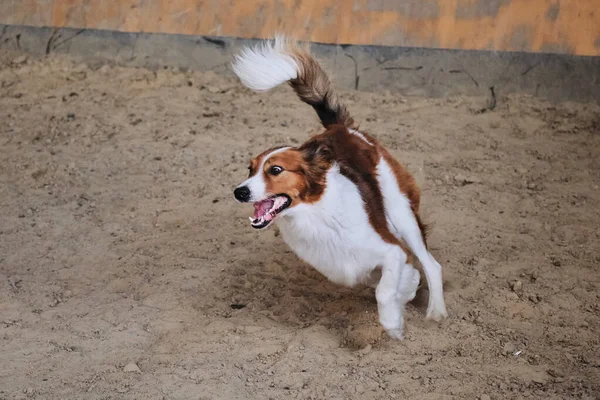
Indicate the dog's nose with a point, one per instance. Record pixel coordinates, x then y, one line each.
242 194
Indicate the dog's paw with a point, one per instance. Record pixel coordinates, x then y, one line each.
395 334
436 314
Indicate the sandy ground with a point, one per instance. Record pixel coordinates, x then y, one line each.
127 271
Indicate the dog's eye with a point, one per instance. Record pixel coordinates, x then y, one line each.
275 170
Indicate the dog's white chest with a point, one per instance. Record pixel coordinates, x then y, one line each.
334 234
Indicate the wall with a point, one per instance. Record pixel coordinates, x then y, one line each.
540 26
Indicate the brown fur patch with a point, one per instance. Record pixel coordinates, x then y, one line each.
314 88
257 161
304 182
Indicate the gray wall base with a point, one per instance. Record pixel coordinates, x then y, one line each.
412 71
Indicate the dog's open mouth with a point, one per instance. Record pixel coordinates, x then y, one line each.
266 210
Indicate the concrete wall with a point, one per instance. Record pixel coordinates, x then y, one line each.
546 26
410 71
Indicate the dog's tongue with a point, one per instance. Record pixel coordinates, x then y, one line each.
262 207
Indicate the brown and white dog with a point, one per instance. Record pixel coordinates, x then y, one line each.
341 201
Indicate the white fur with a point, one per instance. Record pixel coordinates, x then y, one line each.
256 183
403 224
265 66
360 135
334 236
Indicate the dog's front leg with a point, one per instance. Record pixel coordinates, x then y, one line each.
390 302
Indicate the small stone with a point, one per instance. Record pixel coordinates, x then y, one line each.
555 373
533 298
365 350
535 276
509 348
517 286
20 60
132 367
512 296
484 397
105 69
211 114
465 180
540 379
424 360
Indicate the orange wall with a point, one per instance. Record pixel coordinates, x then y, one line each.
559 26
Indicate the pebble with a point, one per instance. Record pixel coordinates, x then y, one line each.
555 373
424 360
540 379
20 60
509 348
517 286
535 276
132 367
105 69
512 296
365 350
465 180
484 397
533 298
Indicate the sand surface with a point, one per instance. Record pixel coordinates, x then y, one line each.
127 271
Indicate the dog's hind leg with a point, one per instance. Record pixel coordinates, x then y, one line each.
390 300
411 233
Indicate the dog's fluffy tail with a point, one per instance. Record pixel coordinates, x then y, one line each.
274 62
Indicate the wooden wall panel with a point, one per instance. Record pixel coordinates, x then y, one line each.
555 26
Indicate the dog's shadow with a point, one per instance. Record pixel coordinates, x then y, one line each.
292 293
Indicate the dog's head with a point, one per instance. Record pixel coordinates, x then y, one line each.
281 179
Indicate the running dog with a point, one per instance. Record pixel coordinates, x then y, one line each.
342 203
